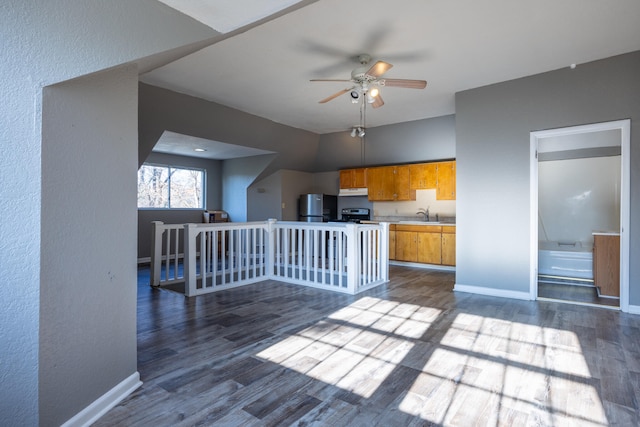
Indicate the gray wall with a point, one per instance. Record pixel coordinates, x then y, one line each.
213 192
44 43
162 109
88 285
237 176
409 142
492 129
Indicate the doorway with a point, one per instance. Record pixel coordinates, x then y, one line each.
579 191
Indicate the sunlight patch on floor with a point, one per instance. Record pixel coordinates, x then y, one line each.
483 371
356 347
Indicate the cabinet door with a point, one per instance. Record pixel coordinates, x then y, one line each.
606 264
448 249
446 181
429 248
359 178
406 246
346 178
381 183
392 244
422 176
402 187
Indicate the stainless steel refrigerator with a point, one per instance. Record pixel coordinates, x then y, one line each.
317 207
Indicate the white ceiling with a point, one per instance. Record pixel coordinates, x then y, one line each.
453 44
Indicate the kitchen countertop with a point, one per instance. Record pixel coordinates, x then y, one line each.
606 233
402 222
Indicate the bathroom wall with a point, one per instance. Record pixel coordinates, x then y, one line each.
577 197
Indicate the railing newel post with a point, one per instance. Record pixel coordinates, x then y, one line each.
271 247
156 253
352 257
384 251
190 277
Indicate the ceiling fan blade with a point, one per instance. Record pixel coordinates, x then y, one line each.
377 101
329 80
411 84
378 69
335 95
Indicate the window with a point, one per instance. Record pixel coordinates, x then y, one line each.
168 187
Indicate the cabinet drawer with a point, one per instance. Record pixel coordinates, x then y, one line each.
419 228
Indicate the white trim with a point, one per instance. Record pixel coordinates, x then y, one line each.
492 292
625 195
423 265
104 403
584 304
633 309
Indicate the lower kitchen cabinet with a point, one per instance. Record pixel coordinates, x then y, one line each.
392 241
429 248
406 245
448 245
428 244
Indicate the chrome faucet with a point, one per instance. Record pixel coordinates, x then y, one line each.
424 212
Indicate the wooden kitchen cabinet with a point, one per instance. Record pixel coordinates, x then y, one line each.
606 264
430 247
419 243
353 178
446 180
392 241
406 245
380 183
448 245
389 183
422 176
402 184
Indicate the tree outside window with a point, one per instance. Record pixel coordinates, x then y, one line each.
168 187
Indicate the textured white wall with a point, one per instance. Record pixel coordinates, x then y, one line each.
46 42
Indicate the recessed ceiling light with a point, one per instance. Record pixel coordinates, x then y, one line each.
199 150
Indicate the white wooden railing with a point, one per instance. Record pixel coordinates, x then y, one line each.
342 257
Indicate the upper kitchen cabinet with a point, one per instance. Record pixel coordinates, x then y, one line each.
446 180
423 176
353 178
381 183
389 183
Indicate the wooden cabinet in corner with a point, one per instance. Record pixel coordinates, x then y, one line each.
448 245
446 180
353 178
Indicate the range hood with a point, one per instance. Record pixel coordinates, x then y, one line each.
353 192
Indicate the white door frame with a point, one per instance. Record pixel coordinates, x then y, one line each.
625 129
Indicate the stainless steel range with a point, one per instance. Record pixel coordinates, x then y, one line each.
355 214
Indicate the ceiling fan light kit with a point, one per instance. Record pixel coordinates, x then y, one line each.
357 131
367 80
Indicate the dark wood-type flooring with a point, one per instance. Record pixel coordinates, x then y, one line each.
410 353
574 293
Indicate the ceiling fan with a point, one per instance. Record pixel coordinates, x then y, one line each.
366 81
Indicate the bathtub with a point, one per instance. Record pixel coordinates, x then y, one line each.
573 260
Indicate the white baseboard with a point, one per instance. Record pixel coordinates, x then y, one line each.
422 265
502 293
99 407
634 309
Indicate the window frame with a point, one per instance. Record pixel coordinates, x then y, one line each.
169 167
